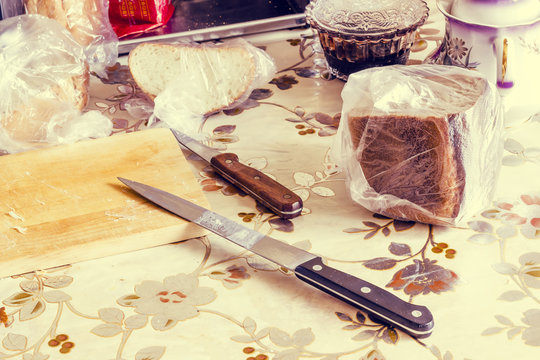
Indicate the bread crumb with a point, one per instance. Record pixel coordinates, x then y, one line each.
121 216
14 215
20 229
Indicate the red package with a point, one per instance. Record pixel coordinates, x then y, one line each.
134 17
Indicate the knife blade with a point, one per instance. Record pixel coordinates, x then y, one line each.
380 304
276 197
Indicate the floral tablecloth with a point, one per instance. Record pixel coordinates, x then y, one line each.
206 299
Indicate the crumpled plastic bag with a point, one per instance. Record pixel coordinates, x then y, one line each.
43 86
421 142
174 105
89 24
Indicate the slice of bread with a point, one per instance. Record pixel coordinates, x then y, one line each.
210 77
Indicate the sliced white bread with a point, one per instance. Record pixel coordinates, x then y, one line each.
209 78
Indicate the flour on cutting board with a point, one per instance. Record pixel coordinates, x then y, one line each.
130 207
63 191
118 216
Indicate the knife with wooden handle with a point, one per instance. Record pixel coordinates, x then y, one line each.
377 302
276 197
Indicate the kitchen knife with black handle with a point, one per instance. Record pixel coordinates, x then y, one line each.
276 197
380 304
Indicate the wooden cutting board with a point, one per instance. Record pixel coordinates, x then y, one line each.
64 204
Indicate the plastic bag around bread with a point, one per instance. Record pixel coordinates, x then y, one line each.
89 24
189 81
420 142
43 86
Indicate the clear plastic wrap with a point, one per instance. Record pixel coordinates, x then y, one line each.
43 86
420 142
205 79
88 22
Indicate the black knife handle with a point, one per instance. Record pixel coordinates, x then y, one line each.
263 188
380 304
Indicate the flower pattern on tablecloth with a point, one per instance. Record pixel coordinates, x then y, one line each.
231 277
516 216
307 123
505 221
175 299
424 275
39 292
370 329
4 318
524 214
520 154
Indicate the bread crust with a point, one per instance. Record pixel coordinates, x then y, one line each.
75 89
82 18
52 9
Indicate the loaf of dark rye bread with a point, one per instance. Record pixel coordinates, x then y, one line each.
425 161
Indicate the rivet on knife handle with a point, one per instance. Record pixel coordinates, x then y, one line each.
414 319
266 190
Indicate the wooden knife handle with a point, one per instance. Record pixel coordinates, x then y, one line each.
263 188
